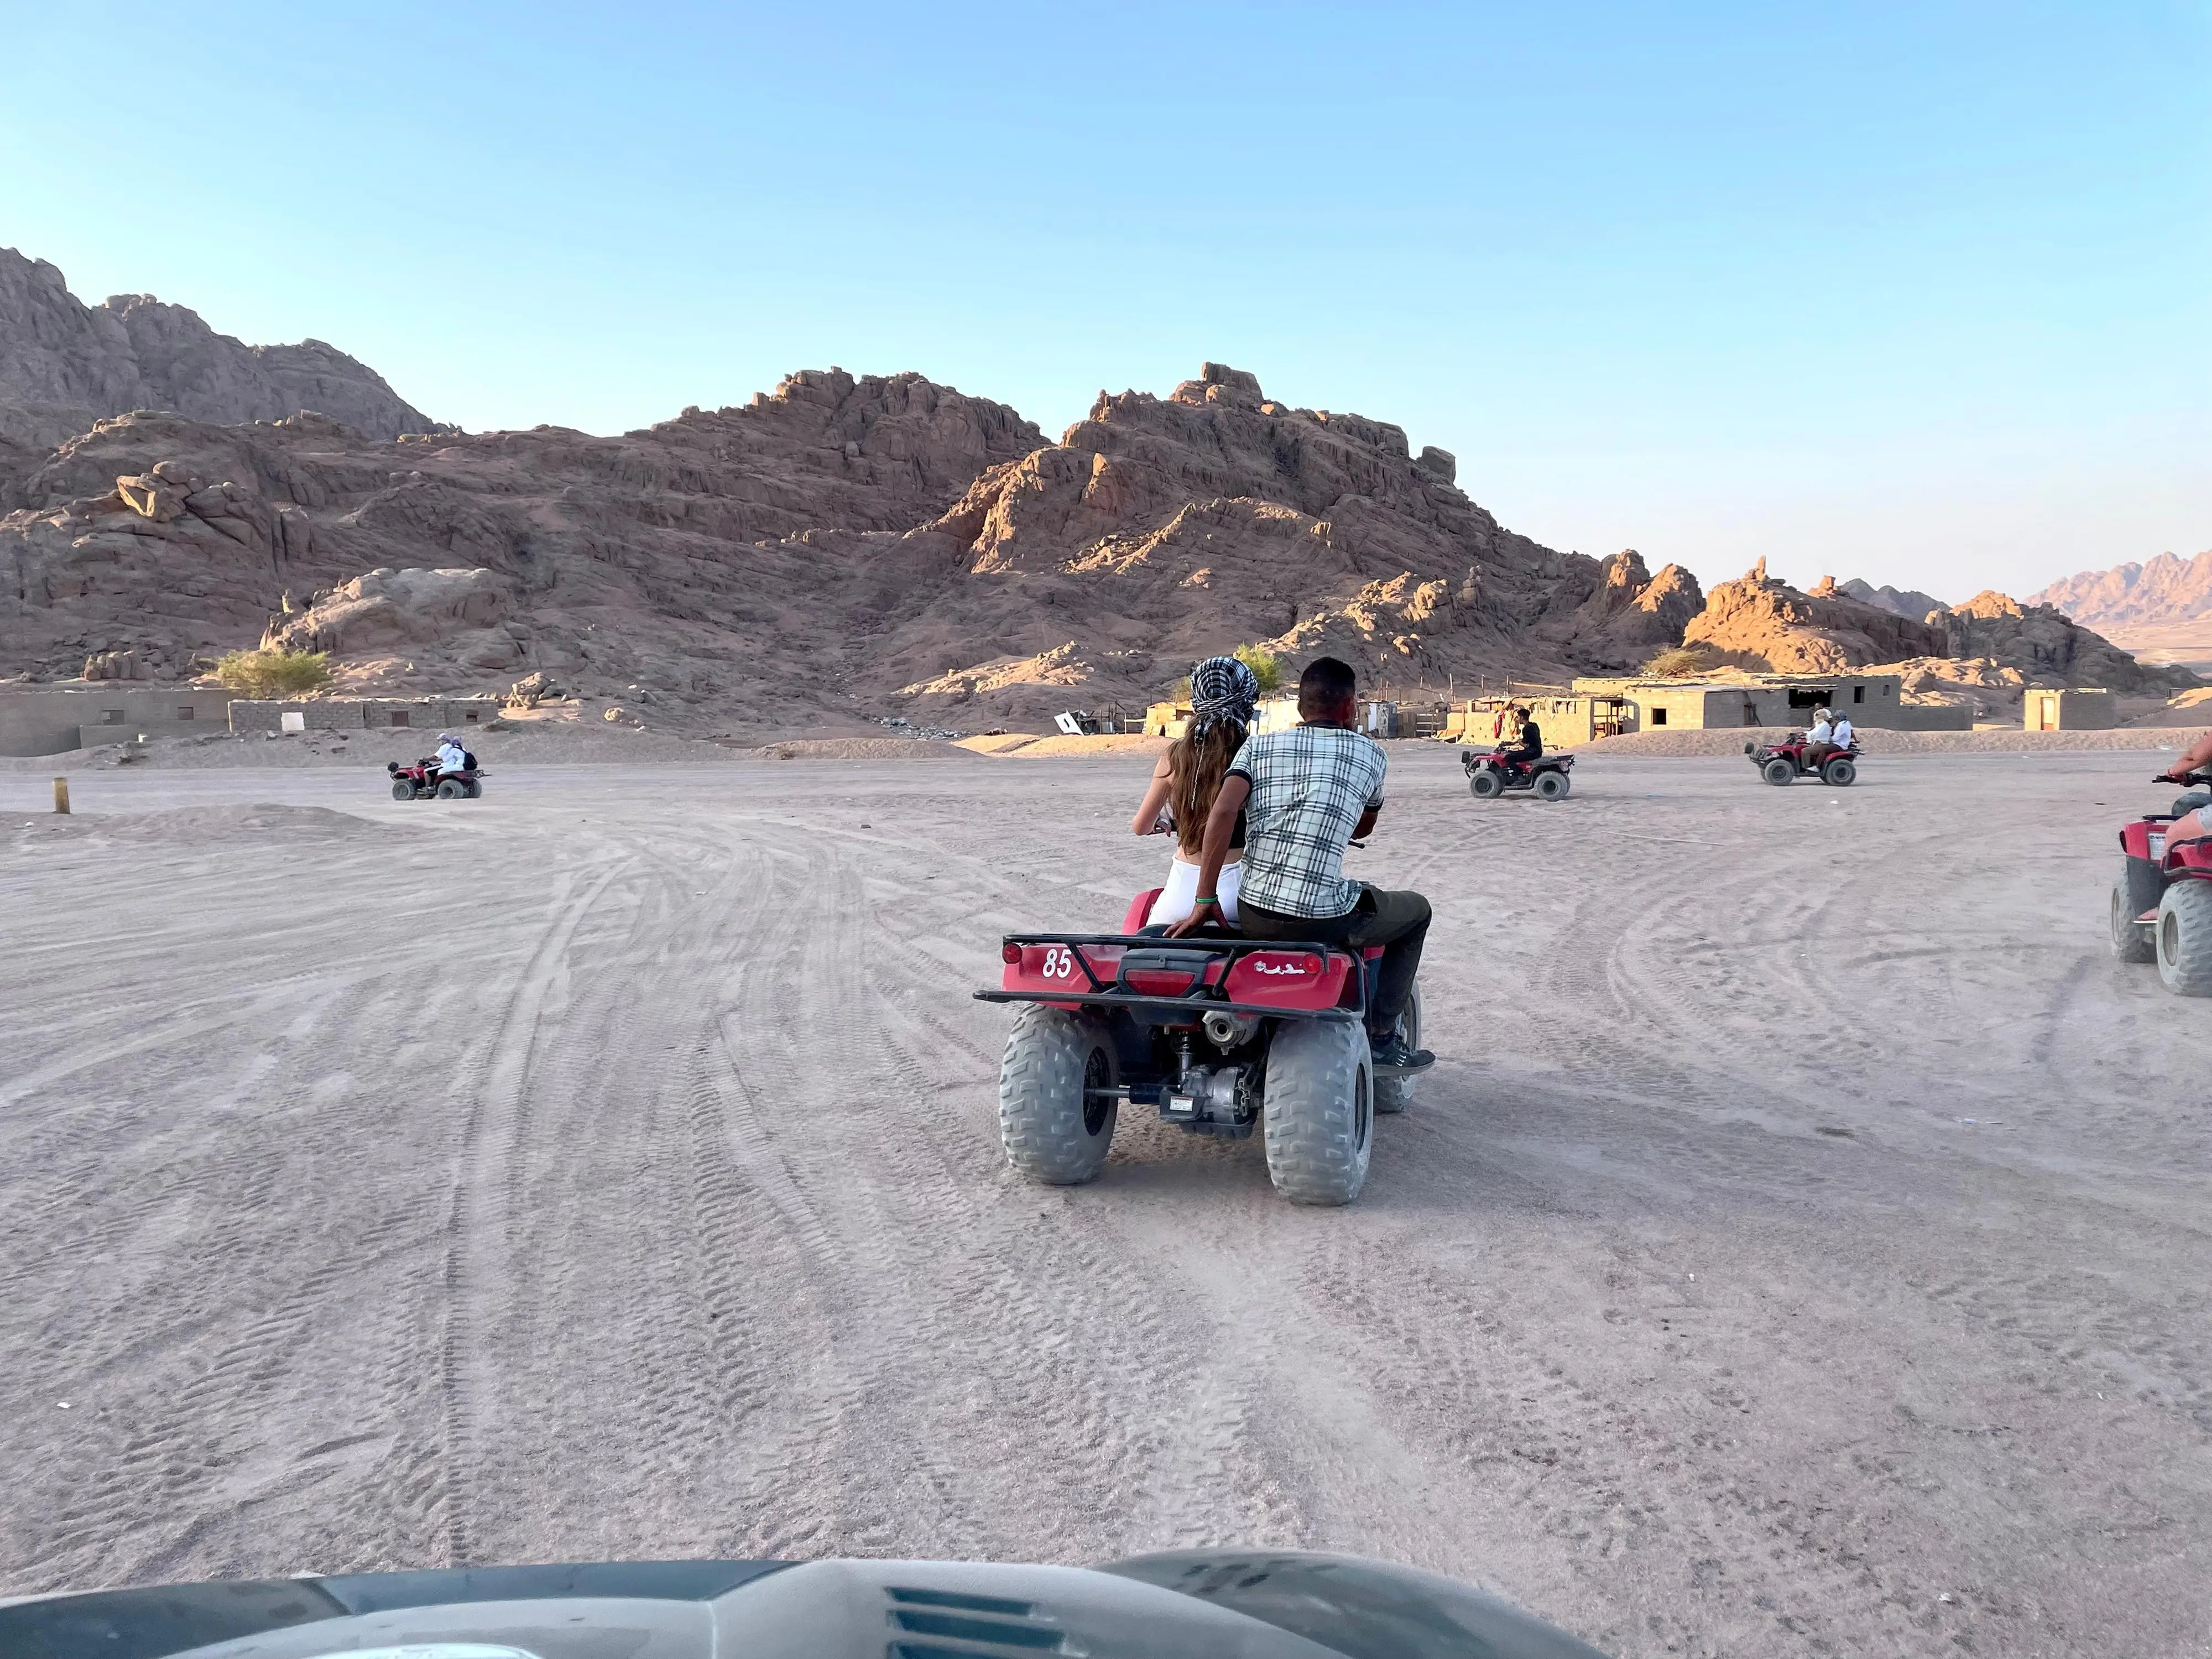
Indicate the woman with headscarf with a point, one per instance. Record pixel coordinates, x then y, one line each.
1224 693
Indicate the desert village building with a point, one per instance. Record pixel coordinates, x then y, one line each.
2086 709
53 720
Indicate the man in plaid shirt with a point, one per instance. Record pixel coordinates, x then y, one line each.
1305 794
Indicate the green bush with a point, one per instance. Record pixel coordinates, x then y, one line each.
1266 667
274 673
1683 660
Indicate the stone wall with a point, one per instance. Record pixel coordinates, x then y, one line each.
430 714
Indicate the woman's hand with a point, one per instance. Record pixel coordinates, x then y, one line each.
1198 918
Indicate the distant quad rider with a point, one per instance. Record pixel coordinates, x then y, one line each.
1526 747
1302 795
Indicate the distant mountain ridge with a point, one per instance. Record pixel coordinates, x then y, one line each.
65 365
1908 603
2163 590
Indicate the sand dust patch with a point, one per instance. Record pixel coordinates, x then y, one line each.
859 749
243 824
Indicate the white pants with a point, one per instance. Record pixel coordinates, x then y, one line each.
1179 896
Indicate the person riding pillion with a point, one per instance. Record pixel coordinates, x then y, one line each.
1224 693
1303 795
452 759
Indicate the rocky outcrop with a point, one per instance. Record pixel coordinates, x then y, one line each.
2048 648
1159 530
1908 603
2160 592
453 611
65 365
1631 615
1761 622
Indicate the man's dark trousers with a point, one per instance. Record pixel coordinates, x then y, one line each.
1398 922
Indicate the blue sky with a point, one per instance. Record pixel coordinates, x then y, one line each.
1911 291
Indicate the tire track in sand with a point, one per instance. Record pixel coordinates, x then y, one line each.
478 1215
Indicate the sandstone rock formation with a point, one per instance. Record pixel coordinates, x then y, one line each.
453 611
2049 649
1630 616
1165 528
64 364
1761 622
2162 590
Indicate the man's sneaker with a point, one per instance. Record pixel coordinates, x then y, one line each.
1391 1053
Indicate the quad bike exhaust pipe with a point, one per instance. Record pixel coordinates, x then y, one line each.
1227 1030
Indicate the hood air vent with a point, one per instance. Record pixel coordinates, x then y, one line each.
945 1625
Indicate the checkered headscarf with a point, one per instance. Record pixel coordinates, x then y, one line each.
1222 688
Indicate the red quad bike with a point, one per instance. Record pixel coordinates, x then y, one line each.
1219 1033
1784 761
1490 775
2173 888
420 781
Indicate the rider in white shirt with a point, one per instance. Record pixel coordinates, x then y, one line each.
452 759
1841 736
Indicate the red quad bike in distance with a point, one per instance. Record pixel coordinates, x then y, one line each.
2172 886
1219 1033
1490 775
1784 761
420 781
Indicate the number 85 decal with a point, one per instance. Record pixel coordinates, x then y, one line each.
1060 962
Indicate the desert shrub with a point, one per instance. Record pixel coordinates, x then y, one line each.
274 673
1681 661
1266 667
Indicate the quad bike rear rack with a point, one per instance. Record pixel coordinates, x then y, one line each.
1200 1000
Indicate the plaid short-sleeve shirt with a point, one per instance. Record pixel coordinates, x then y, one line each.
1309 787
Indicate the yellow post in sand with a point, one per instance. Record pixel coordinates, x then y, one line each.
61 794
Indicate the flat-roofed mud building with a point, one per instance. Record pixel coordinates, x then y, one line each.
1771 700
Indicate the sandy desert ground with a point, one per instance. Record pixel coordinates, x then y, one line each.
1800 1249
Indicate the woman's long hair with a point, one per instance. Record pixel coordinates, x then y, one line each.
1195 765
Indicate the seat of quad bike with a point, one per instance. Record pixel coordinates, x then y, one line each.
1133 921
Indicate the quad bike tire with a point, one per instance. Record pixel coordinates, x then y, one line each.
1840 772
2135 890
1054 1129
1319 1117
2184 805
1395 1094
2185 939
402 789
1779 770
475 788
1485 783
452 789
1551 786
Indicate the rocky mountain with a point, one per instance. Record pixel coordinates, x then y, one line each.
2049 648
455 561
1908 603
2162 590
844 546
64 364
